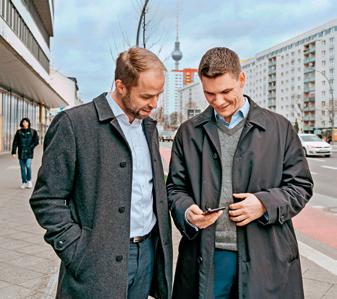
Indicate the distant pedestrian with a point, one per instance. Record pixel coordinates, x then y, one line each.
25 140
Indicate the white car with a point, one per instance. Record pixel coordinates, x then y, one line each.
314 146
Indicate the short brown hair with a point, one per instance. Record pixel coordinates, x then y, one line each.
134 61
219 61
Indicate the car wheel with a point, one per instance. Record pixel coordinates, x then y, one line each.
305 152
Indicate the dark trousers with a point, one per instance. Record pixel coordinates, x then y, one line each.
140 269
225 278
26 170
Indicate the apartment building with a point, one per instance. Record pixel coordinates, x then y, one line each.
28 87
297 78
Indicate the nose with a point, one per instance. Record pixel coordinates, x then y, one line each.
154 102
218 99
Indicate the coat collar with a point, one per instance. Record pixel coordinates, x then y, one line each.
255 116
105 113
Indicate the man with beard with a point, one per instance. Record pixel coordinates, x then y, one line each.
100 192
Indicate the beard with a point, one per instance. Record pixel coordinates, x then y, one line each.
130 108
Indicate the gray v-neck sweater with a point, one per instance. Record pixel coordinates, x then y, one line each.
225 231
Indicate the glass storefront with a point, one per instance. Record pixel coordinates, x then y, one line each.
12 109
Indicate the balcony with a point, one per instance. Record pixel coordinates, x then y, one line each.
309 100
311 50
309 117
309 109
309 79
309 70
309 59
309 89
272 63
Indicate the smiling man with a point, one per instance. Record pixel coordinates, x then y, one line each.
100 192
248 162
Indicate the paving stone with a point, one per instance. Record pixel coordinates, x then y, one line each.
332 293
8 255
314 289
16 292
8 243
3 284
14 274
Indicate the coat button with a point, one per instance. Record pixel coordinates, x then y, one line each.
119 258
61 242
215 156
199 260
122 164
121 210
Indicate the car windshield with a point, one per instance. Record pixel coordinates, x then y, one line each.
310 138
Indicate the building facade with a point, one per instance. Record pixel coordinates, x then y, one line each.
297 79
26 82
192 100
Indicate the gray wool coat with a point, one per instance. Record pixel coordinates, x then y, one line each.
268 162
82 198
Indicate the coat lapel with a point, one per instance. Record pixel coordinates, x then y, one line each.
207 119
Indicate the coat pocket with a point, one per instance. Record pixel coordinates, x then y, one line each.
291 241
80 252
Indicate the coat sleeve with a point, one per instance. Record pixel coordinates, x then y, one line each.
35 141
15 143
178 189
296 188
54 187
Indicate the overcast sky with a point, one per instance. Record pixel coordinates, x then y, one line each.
88 35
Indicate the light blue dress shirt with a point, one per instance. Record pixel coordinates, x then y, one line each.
142 218
237 116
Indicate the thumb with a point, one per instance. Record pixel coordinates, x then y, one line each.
195 209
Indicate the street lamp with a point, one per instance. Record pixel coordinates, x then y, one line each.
332 113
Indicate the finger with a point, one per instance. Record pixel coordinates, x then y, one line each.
244 222
210 219
195 210
235 206
238 218
241 195
236 212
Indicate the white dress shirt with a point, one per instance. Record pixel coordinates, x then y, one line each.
142 218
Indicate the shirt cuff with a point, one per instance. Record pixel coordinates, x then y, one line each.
189 223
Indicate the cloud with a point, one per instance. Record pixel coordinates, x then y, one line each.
90 34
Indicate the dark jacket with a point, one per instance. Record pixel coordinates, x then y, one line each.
82 198
25 141
268 162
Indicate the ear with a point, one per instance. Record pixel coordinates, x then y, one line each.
242 79
120 87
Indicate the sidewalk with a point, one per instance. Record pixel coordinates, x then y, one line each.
28 266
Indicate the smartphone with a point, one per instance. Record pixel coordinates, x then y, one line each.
209 210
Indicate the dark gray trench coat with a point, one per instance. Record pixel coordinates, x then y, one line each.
268 162
82 198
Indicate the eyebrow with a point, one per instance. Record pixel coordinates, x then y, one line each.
151 95
225 90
